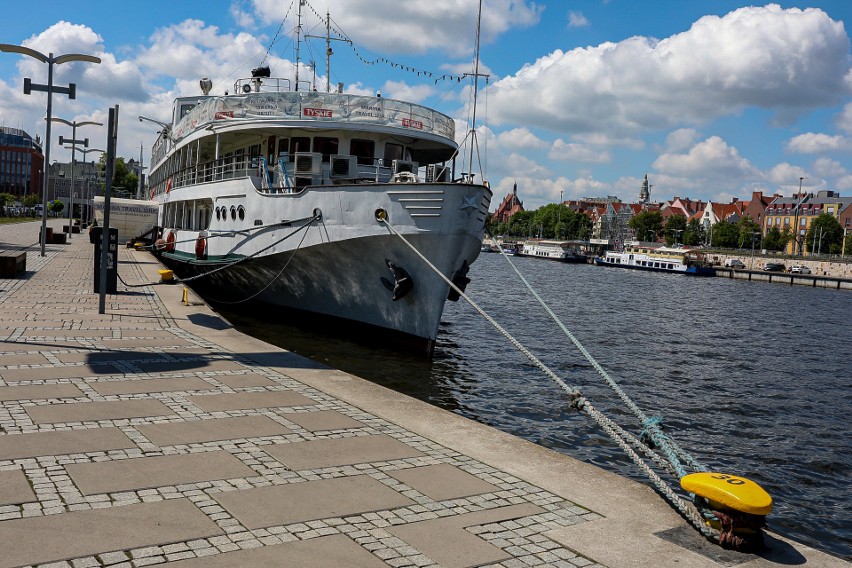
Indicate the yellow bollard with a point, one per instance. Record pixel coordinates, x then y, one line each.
166 275
185 299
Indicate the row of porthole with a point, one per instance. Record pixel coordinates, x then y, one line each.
222 213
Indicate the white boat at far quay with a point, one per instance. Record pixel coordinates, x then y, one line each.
309 201
562 251
676 260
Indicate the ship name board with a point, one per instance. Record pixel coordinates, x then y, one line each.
418 124
317 112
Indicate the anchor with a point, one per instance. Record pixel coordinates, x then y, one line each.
402 281
461 280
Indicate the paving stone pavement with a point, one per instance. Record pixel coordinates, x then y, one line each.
134 438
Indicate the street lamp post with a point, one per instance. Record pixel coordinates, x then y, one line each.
753 235
85 153
73 142
70 90
677 233
796 243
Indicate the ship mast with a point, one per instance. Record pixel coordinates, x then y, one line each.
298 40
473 142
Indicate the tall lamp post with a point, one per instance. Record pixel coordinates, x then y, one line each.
85 153
73 142
796 243
753 235
70 90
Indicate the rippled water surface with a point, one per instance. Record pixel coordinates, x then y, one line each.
752 378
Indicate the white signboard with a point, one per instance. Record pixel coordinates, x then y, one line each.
132 218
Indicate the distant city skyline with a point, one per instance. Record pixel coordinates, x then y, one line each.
712 100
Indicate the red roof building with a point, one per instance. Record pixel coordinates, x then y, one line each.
511 205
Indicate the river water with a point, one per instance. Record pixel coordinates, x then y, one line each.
752 378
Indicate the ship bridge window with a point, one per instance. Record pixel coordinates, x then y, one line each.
283 149
392 152
325 146
365 150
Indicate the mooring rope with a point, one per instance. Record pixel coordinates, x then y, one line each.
309 221
651 425
619 436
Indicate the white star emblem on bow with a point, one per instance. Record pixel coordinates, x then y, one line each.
469 203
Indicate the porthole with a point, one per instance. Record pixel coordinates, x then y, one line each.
242 213
233 213
218 214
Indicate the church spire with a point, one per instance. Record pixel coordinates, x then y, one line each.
645 192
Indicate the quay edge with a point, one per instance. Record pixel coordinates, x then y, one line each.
613 521
632 512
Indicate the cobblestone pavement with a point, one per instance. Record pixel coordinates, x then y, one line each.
149 435
127 441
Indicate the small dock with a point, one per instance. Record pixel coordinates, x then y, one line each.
786 278
157 434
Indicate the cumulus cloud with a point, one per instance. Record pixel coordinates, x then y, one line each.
577 20
712 158
404 91
844 119
815 143
681 139
416 27
573 152
828 168
764 57
520 138
787 176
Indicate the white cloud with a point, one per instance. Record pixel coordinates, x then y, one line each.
241 17
844 119
404 91
577 20
712 158
573 152
757 56
828 168
681 139
520 138
815 143
844 183
415 27
787 176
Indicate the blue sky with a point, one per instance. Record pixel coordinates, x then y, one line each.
712 99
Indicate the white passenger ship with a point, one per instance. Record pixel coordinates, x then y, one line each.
291 198
552 250
660 259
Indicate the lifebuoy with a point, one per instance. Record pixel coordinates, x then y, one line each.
171 238
169 185
201 246
152 193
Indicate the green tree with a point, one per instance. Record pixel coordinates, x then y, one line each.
675 228
747 228
694 233
30 200
6 199
647 225
825 235
725 235
773 240
56 207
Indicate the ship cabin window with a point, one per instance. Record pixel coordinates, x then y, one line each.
254 155
298 144
392 152
325 146
365 150
228 164
185 108
240 159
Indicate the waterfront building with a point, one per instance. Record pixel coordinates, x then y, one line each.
21 163
796 214
756 208
684 206
510 205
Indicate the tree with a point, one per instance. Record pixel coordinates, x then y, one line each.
675 228
725 235
747 228
56 207
694 233
30 200
647 225
775 240
6 199
825 235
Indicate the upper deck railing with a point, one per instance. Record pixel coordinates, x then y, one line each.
312 106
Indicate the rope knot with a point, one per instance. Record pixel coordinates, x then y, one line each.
648 426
